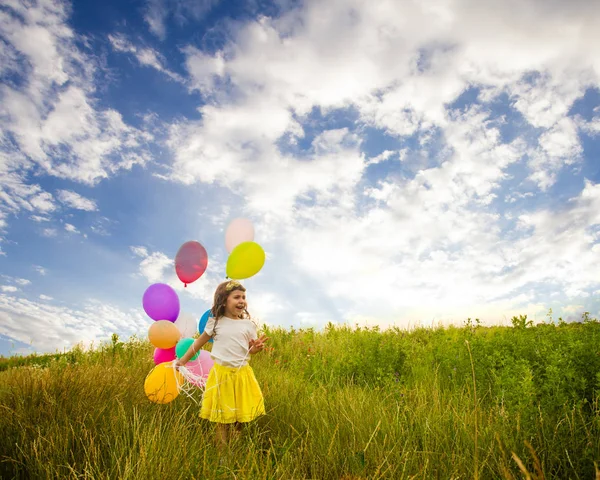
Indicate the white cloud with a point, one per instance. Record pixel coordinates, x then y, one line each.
558 146
155 16
74 200
545 100
49 119
16 195
157 12
153 266
359 48
559 248
431 238
46 297
267 307
71 228
592 127
102 226
202 154
49 328
41 270
431 234
382 157
140 251
39 218
49 232
43 202
22 282
8 288
146 56
400 75
204 69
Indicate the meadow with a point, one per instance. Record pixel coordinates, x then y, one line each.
343 403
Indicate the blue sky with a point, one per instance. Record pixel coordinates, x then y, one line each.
402 164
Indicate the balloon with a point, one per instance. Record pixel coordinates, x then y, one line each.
190 262
161 302
200 368
245 261
162 355
239 230
203 321
183 346
163 334
186 324
161 383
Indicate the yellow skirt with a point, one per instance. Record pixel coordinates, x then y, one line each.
232 395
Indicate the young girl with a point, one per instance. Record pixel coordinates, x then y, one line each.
232 395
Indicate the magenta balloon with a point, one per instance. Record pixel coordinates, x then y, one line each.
201 367
161 302
164 355
190 262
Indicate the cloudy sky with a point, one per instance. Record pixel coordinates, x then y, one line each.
407 163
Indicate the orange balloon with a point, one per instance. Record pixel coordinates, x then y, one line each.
161 383
163 334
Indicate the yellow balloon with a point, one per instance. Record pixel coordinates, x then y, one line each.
163 334
161 383
245 260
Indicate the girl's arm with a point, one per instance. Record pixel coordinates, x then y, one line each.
194 348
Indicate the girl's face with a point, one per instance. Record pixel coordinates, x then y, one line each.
235 304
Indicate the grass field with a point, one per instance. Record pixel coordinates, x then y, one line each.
347 403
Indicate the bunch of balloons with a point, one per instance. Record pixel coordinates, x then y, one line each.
172 331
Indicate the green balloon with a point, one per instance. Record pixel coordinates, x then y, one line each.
183 346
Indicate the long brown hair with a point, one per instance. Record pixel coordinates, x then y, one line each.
222 294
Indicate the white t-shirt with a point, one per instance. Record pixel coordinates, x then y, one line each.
231 340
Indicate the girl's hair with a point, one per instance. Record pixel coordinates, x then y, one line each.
222 294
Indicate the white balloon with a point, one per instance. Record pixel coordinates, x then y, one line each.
187 324
239 230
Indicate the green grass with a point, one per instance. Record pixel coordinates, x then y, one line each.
345 403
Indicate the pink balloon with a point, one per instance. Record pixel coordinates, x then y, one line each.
239 230
201 367
190 262
164 355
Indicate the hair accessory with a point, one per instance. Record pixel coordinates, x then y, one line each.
231 285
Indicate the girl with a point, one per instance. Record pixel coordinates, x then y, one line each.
232 395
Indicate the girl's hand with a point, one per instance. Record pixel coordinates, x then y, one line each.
258 344
178 364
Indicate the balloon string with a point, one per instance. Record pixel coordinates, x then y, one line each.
186 387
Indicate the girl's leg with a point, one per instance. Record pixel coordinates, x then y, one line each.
222 435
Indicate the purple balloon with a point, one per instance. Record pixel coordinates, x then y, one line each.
161 302
164 355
